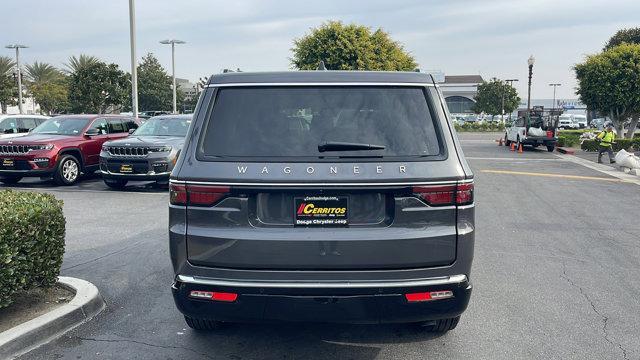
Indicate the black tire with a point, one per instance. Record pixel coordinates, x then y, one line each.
506 141
68 170
202 324
10 180
116 184
518 144
550 148
444 325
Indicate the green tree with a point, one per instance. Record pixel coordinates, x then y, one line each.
98 88
495 96
8 88
75 64
154 85
48 87
630 36
350 47
609 83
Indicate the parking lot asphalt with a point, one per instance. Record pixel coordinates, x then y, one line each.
555 275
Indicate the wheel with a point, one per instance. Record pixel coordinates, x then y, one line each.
550 148
444 325
518 143
202 324
116 184
68 170
506 141
10 180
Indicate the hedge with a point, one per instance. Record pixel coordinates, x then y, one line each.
627 144
567 141
32 229
483 127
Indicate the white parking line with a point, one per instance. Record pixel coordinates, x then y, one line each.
511 159
84 190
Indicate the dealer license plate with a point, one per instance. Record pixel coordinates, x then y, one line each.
321 211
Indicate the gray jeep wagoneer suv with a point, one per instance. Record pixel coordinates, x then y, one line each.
322 196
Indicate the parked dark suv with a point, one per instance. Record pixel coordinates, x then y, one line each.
149 154
62 147
322 196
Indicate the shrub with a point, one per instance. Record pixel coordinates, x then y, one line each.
31 242
477 127
567 141
627 144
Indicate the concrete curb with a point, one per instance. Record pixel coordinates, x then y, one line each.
27 336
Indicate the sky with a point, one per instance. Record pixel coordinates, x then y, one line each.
458 37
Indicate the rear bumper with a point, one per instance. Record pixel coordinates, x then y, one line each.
540 141
338 302
135 177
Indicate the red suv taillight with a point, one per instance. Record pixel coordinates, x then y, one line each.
441 195
197 195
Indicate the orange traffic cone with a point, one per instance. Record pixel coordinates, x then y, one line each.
513 147
520 149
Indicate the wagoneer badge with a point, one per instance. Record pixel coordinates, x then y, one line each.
333 170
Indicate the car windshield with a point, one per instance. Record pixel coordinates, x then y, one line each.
164 126
62 126
321 122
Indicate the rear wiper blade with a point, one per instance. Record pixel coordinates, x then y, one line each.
346 146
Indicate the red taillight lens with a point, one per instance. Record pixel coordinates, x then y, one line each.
178 194
429 296
197 195
212 295
440 195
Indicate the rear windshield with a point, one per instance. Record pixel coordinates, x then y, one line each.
291 122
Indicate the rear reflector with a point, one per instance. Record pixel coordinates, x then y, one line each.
440 195
215 296
197 195
429 296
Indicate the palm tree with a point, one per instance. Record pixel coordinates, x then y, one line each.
6 66
41 73
6 82
81 62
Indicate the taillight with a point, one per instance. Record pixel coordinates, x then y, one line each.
441 195
429 296
197 195
215 296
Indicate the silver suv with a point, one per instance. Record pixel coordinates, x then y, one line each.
323 196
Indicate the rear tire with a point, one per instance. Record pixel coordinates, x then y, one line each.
506 141
116 184
68 171
550 148
444 325
10 180
203 324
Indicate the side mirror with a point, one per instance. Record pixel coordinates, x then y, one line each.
131 131
92 132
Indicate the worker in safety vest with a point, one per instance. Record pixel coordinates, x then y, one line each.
606 139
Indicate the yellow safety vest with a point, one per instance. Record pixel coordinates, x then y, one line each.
607 138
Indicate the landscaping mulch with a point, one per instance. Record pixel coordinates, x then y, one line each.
33 303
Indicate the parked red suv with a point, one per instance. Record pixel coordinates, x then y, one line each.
62 147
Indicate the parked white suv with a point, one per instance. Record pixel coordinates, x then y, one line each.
19 125
565 121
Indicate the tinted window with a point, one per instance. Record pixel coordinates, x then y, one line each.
130 124
164 126
9 126
116 126
27 124
62 126
100 125
292 122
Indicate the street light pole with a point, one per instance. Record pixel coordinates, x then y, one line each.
18 47
173 43
530 61
554 101
134 63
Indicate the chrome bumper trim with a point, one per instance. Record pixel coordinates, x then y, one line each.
445 280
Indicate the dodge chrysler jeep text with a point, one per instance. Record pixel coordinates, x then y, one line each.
322 196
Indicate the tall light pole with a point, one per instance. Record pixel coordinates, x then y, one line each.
554 101
173 43
510 83
530 61
134 63
18 47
